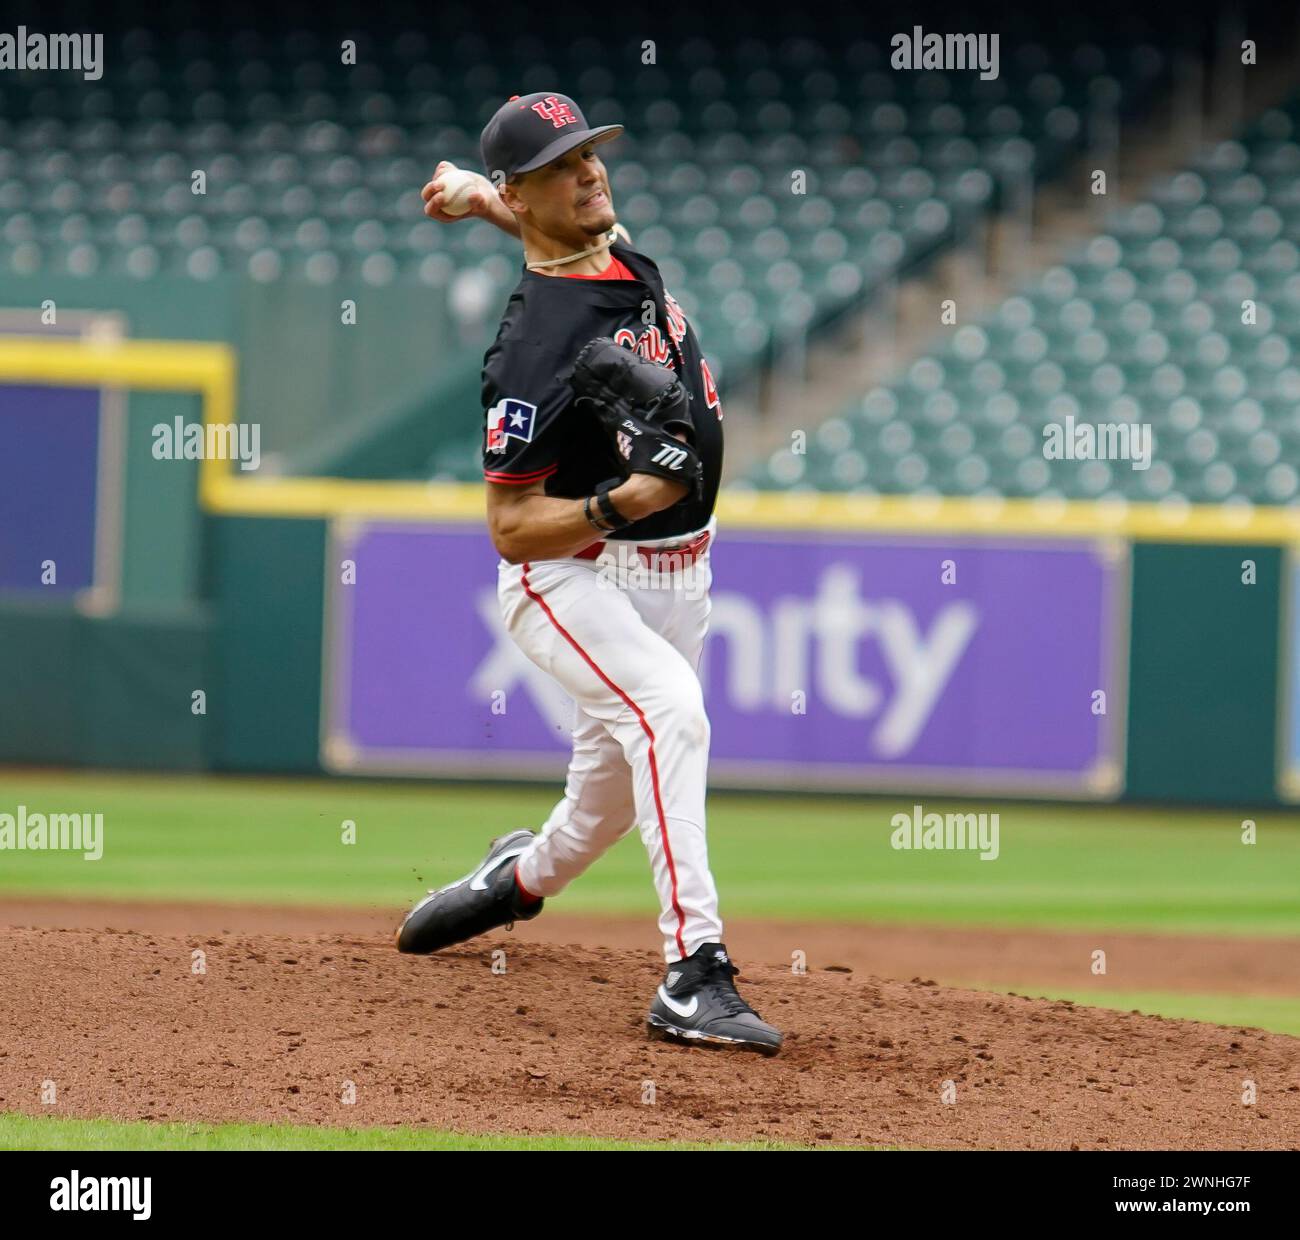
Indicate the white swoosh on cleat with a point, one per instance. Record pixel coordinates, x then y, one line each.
479 881
682 1009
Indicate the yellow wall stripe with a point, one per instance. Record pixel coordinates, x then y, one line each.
210 370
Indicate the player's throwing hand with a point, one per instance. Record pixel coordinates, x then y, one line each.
478 202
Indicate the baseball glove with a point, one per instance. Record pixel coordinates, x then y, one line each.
642 408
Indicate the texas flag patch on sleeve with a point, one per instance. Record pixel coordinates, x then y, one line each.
510 418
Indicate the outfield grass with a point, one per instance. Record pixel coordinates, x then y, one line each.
1277 1013
25 1132
277 841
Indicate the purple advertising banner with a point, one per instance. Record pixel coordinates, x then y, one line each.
62 473
834 660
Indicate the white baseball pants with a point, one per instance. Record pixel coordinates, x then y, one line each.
625 646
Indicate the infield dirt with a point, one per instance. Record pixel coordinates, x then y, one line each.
278 1025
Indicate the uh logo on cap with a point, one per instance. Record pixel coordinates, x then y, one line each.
553 109
556 111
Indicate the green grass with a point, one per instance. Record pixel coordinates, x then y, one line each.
25 1132
271 841
1277 1013
276 841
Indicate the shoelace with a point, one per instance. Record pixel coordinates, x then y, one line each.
723 990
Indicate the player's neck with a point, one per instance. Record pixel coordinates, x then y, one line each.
539 248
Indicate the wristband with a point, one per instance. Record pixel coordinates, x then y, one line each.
591 520
617 521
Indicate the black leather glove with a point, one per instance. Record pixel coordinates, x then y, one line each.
641 407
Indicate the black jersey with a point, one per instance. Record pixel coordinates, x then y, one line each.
533 432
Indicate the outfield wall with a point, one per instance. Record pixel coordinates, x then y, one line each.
1190 664
1184 620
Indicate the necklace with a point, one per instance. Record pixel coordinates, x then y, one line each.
618 232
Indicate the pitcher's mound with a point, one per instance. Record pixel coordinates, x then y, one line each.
343 1031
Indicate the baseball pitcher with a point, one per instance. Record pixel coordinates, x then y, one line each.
602 453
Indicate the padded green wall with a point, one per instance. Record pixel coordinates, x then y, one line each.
115 691
268 583
1203 674
161 527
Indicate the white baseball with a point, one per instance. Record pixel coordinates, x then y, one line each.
457 186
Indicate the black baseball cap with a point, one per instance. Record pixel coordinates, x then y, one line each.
528 131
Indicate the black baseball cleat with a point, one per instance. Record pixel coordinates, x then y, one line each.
698 1003
481 901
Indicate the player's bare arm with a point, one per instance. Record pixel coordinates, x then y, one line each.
527 524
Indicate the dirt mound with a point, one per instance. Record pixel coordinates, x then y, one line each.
1026 958
277 1027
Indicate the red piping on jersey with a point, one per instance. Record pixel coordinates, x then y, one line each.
495 475
615 271
645 727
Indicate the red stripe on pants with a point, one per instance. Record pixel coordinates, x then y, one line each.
645 727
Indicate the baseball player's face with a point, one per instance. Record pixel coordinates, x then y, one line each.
570 196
